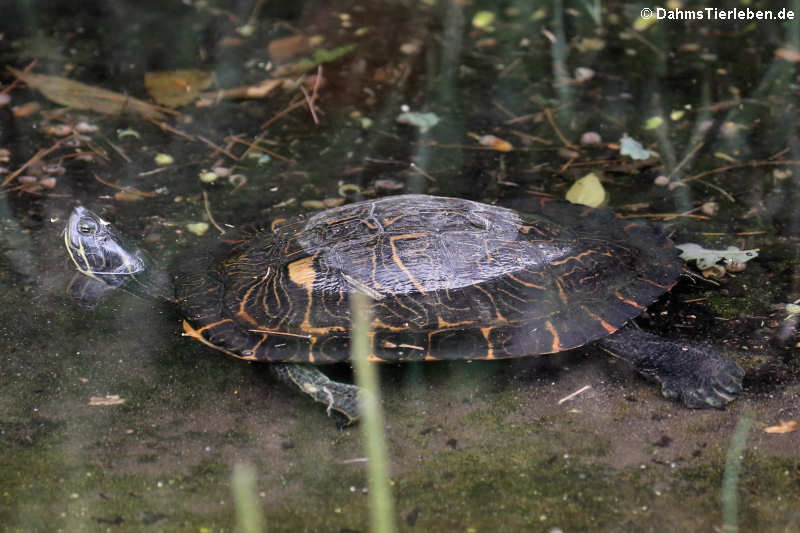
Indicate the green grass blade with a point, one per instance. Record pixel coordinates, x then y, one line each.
249 517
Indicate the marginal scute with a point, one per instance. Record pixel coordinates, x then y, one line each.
449 278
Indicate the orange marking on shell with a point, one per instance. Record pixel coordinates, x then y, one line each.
389 221
378 324
629 302
255 348
489 348
524 283
311 349
444 324
242 313
500 317
574 257
302 272
556 347
561 293
280 333
197 334
606 326
399 263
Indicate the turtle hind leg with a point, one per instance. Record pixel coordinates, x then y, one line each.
341 399
698 375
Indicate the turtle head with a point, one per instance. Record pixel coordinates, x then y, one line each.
109 261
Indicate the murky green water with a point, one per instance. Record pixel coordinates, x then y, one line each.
480 446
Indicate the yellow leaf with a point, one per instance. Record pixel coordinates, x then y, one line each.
587 191
783 426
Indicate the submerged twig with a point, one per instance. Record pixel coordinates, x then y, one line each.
549 115
207 207
741 165
37 156
129 190
311 100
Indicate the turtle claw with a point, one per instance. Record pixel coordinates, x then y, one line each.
712 381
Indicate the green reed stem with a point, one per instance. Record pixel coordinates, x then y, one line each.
730 478
381 504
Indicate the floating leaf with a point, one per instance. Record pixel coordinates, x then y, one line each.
198 228
653 122
633 148
707 258
587 191
482 20
78 95
175 88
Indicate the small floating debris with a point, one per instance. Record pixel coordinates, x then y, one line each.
633 148
208 177
495 143
591 137
653 123
121 134
583 74
163 160
784 426
483 20
108 399
576 393
423 121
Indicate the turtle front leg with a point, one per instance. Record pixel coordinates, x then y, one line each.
698 375
340 398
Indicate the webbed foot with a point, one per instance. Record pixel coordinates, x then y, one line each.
341 399
698 375
700 378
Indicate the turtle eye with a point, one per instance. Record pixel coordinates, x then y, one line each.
87 226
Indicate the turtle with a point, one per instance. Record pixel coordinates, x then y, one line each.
448 279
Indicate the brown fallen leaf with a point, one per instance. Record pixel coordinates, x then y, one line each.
79 95
282 49
108 399
175 88
784 426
